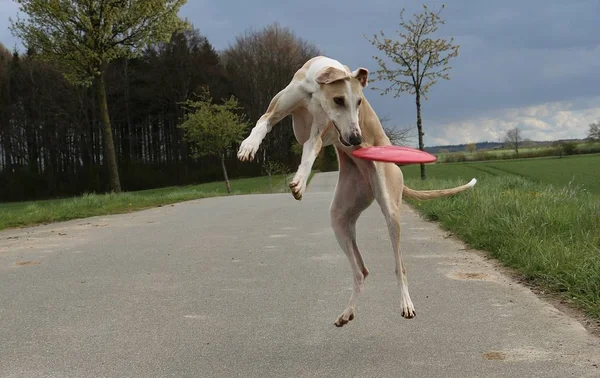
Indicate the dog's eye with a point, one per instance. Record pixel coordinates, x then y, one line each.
359 102
339 100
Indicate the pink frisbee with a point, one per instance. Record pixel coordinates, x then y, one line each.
394 154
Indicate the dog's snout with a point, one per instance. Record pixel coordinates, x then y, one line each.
355 139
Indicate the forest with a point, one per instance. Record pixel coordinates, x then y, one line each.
51 134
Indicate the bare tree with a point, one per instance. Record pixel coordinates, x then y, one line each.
420 60
398 137
514 139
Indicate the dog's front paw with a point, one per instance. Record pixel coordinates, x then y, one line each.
298 186
248 149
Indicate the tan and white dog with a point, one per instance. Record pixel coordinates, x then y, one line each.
327 105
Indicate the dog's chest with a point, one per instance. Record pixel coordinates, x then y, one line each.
330 136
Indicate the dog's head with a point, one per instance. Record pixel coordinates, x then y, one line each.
341 96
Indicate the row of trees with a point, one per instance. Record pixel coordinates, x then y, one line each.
53 130
514 140
98 100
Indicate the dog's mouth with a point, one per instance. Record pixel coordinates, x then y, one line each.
342 141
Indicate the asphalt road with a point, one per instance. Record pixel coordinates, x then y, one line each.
249 286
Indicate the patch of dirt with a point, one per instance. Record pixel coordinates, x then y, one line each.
470 276
495 356
530 354
27 262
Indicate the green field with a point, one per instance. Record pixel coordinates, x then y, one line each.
579 170
538 216
498 153
525 152
37 212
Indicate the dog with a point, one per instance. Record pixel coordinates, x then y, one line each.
326 101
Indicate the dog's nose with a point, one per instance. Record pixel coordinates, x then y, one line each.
355 139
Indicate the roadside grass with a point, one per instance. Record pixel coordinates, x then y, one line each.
30 213
545 229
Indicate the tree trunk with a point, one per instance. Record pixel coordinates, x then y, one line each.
225 173
420 131
109 146
128 146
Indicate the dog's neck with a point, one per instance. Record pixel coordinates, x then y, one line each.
370 126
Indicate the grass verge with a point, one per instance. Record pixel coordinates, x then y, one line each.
39 212
550 234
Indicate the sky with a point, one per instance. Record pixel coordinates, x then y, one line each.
531 64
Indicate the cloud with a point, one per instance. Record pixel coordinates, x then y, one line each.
558 120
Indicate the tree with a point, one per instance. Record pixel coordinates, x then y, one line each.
594 132
419 59
398 137
212 128
83 37
558 148
569 148
471 147
513 139
50 131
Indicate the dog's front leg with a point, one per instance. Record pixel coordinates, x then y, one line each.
280 107
310 150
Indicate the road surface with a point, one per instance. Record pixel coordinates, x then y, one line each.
249 286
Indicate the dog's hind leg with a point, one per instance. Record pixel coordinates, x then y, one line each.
282 105
387 182
352 196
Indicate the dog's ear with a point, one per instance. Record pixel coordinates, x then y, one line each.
329 75
362 74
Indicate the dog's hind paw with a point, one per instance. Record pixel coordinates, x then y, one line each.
344 318
408 313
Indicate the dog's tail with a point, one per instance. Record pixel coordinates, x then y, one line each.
431 194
